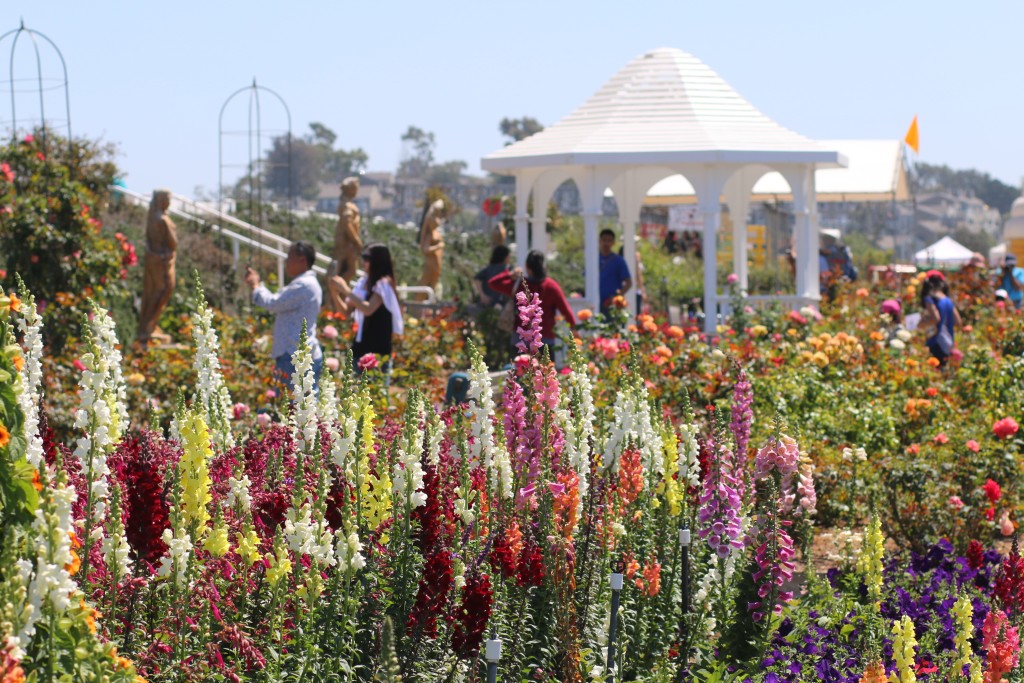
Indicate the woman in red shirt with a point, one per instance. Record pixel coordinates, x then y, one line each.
551 297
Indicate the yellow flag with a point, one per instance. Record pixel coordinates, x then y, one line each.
911 138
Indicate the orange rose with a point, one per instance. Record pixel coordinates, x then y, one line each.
585 315
933 361
5 436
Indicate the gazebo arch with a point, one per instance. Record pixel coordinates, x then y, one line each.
667 112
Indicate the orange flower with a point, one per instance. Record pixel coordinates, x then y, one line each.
15 303
36 483
75 565
5 436
19 362
650 326
632 567
933 361
674 331
585 315
875 673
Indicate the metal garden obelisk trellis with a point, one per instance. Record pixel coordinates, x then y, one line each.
253 159
33 85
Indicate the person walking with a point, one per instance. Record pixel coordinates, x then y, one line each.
374 300
613 272
552 299
296 303
938 311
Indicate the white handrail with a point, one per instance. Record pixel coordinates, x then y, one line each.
260 243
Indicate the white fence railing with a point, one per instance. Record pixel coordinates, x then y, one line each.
240 234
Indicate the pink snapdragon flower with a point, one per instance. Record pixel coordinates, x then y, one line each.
529 323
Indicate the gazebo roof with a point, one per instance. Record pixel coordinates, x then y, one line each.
875 173
664 107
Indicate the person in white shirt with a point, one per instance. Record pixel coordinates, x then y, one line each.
294 303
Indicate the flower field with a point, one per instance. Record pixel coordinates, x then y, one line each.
804 499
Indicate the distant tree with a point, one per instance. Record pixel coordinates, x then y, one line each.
936 178
519 129
980 242
448 173
313 161
418 153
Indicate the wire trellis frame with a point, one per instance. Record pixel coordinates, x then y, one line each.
41 81
255 163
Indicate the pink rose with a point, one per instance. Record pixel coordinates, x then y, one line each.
330 332
973 446
956 502
332 364
941 438
1005 428
263 420
1005 525
733 278
957 355
270 394
239 410
368 362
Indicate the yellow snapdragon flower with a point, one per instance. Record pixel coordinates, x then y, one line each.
195 473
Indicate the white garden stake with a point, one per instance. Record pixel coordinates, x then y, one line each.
492 653
618 566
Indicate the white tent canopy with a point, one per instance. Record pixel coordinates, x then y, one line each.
667 113
945 252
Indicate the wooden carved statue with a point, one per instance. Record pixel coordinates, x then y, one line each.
432 243
348 243
158 277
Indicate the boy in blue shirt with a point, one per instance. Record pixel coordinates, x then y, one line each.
613 273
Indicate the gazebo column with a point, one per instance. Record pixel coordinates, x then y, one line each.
806 237
538 229
522 219
712 216
738 214
592 284
629 253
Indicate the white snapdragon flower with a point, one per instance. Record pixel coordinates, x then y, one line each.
238 493
480 412
304 417
212 394
349 551
407 474
175 563
31 325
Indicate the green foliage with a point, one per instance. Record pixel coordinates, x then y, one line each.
49 233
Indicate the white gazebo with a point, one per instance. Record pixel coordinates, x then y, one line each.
667 113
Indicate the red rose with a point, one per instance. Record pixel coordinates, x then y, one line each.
992 491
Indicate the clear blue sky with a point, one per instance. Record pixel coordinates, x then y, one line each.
152 76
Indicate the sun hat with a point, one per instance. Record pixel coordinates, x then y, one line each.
891 306
1002 294
936 274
